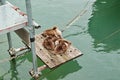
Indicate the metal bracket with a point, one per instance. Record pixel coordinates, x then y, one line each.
14 51
36 76
36 25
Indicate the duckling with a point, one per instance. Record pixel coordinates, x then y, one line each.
49 44
61 46
52 32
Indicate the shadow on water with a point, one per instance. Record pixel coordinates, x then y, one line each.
59 72
74 34
14 63
104 25
14 71
62 71
50 74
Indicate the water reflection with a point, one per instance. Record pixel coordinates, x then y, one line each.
55 74
62 71
13 71
104 25
1 42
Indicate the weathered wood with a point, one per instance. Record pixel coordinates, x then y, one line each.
42 68
54 60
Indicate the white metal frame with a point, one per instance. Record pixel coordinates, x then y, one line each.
31 31
32 36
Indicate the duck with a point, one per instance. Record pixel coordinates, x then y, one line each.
49 44
61 46
54 32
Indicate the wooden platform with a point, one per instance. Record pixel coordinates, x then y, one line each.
54 60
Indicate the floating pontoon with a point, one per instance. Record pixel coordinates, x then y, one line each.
13 19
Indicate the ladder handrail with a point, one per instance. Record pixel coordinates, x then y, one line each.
32 35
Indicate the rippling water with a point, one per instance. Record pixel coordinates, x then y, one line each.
96 34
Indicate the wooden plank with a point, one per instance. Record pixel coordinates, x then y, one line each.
54 60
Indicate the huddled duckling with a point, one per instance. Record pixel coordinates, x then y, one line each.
54 32
61 46
54 42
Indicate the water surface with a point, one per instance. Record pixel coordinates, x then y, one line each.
96 34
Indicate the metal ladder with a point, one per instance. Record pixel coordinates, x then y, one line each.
31 31
56 61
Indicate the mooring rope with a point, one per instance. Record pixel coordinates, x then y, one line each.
109 36
77 17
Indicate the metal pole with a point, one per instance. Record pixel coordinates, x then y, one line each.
8 34
9 40
3 1
32 33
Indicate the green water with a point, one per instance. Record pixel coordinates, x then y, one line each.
96 34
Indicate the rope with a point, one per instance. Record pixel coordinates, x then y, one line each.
77 17
107 37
